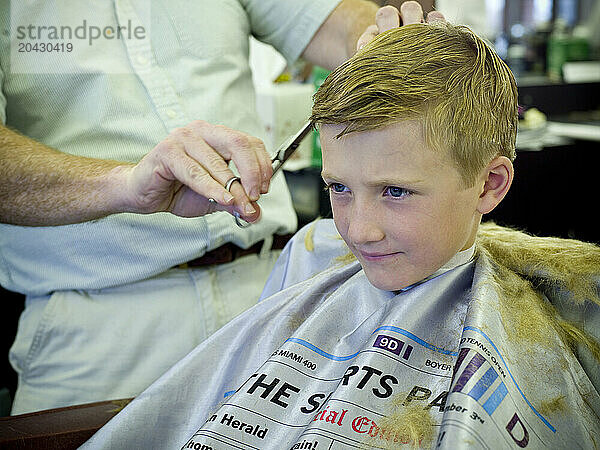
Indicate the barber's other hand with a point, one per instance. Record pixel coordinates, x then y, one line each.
191 165
389 17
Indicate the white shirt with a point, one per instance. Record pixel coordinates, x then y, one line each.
117 100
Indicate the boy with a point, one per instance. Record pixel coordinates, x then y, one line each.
435 334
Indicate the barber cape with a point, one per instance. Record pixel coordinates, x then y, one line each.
327 361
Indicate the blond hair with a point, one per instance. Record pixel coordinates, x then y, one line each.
441 74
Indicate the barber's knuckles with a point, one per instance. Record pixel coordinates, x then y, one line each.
211 147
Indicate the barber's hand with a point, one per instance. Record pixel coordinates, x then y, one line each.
389 17
191 165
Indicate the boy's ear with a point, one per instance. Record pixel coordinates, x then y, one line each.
497 177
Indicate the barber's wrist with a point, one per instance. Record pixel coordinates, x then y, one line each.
120 191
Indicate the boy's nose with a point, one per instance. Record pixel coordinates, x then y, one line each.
364 226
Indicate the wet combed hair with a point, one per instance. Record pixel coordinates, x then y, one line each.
440 74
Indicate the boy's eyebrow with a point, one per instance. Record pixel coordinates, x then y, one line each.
393 182
378 182
326 175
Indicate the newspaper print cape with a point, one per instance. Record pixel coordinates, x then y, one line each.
330 362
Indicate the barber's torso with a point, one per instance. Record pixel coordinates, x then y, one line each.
116 99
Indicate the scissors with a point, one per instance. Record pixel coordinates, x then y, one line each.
282 154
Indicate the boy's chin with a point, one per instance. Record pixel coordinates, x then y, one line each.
395 275
389 284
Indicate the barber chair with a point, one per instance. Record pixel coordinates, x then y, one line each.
61 428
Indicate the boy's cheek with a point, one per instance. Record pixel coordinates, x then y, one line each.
341 225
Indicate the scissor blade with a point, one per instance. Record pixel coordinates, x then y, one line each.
289 147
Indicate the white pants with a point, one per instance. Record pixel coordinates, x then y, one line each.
76 347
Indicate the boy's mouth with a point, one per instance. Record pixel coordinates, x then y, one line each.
377 256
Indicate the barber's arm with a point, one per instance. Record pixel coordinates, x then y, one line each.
350 26
40 186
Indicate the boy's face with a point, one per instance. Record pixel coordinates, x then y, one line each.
399 206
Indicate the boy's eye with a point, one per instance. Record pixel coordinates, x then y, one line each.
338 188
396 192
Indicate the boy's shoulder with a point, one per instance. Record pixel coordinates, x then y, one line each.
314 248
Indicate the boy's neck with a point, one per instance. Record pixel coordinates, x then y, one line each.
460 258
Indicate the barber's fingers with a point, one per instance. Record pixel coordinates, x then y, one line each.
434 16
251 210
211 171
184 171
368 35
246 151
389 17
411 12
191 201
188 203
155 178
386 18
